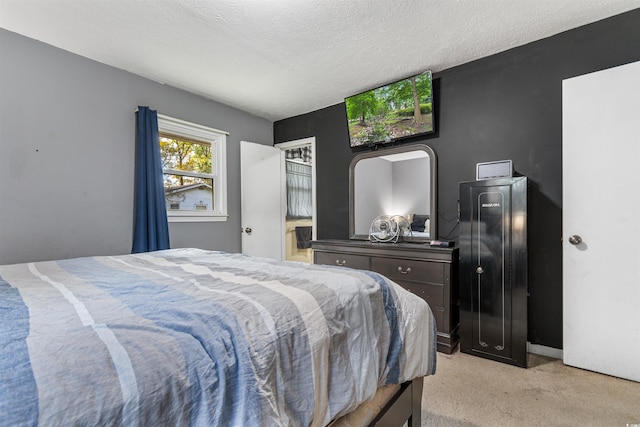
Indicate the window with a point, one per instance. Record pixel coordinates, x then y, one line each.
194 165
299 187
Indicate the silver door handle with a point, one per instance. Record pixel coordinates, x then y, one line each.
575 239
479 270
407 271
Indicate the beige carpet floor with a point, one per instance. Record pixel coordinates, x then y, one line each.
471 391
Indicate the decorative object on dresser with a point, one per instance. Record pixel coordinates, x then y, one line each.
428 272
388 228
493 269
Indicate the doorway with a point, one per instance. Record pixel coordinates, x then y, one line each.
299 192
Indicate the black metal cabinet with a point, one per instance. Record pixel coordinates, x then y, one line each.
493 269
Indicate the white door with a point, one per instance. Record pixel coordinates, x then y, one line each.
261 178
601 221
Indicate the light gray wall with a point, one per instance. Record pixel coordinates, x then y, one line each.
373 192
411 187
67 132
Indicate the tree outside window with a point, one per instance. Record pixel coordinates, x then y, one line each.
194 166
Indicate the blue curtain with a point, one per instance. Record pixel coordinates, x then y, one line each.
150 230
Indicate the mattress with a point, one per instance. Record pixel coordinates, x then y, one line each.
194 337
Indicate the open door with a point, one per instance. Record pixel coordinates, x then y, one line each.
262 205
299 196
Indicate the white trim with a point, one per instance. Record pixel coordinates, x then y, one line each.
188 173
296 144
218 140
542 350
221 163
194 216
185 128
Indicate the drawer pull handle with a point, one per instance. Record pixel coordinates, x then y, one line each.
338 262
407 271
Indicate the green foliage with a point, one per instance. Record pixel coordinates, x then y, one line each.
377 132
400 94
183 155
382 114
362 106
408 112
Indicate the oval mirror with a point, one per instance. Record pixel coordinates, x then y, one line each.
394 181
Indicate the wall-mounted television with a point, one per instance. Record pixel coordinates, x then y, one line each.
392 112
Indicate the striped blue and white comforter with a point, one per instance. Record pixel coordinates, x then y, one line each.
192 337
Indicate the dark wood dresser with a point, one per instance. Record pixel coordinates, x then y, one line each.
431 273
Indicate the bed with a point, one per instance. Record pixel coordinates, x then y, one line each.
193 337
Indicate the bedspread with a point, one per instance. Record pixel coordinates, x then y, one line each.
193 337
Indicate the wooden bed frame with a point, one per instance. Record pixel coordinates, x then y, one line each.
404 406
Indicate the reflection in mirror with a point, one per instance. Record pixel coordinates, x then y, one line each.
395 181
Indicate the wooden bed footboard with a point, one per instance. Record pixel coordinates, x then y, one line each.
404 406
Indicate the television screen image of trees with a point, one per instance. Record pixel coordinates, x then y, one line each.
394 111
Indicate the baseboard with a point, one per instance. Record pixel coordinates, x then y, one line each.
542 350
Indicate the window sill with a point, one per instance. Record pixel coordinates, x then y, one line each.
195 217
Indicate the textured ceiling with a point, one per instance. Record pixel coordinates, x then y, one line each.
280 58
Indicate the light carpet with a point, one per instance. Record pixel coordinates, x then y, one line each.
471 391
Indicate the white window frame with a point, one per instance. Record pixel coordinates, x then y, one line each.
218 140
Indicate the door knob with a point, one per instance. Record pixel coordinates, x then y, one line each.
575 239
248 230
479 270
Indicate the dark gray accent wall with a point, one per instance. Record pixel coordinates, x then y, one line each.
506 106
67 132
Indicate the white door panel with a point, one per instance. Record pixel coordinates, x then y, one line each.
601 204
262 204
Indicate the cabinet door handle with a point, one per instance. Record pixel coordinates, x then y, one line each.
407 271
343 262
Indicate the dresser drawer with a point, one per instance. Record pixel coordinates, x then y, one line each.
432 294
360 262
409 270
430 273
438 314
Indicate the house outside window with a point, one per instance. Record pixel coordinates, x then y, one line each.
194 168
